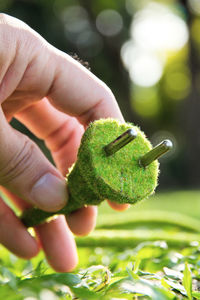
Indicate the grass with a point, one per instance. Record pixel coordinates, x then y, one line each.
150 251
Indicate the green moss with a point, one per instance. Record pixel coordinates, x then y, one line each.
96 176
80 189
117 177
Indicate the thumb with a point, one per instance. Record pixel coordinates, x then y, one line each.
26 172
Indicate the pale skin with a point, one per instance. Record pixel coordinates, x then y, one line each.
55 97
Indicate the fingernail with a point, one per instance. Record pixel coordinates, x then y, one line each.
49 193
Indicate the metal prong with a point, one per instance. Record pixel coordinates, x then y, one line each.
120 141
155 153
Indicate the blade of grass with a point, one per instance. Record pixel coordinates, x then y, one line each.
128 238
187 281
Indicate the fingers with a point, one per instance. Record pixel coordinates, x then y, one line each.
23 168
117 206
58 244
35 69
83 221
12 65
62 133
18 202
26 172
54 237
43 119
14 236
25 76
80 222
76 91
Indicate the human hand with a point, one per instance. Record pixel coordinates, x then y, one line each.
55 97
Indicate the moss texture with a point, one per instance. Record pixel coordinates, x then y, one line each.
117 177
96 176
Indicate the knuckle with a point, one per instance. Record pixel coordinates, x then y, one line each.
12 31
3 18
108 94
11 21
106 99
18 163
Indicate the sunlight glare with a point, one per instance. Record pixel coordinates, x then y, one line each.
146 70
158 29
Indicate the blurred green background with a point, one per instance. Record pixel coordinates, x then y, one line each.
148 53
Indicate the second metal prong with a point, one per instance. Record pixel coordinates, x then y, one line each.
155 153
120 141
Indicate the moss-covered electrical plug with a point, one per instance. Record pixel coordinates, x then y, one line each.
115 161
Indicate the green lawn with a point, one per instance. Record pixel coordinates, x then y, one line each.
186 202
150 251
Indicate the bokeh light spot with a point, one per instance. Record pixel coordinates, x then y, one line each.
156 33
89 43
177 85
146 70
194 6
145 101
157 28
75 20
109 22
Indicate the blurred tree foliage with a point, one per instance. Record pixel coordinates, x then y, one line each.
97 31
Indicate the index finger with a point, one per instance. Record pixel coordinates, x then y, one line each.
78 92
